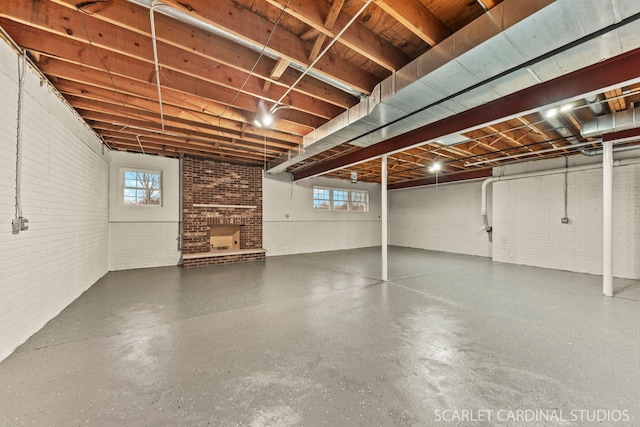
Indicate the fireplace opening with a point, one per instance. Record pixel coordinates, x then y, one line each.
225 237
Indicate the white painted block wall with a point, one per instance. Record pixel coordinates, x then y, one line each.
439 218
144 236
527 228
64 197
291 226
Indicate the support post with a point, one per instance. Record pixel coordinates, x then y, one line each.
383 217
607 218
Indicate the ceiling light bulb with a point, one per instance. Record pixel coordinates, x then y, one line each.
267 120
435 166
566 107
552 112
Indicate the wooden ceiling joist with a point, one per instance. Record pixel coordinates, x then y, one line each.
210 46
417 18
256 29
147 120
357 37
177 65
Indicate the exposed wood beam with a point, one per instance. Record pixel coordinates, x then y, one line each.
417 18
534 127
309 34
109 123
488 4
177 89
180 125
357 37
611 72
277 72
336 7
212 145
247 25
224 51
615 100
506 132
173 60
249 140
151 147
461 176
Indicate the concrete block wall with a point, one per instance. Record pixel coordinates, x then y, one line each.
64 197
527 228
439 218
291 226
209 182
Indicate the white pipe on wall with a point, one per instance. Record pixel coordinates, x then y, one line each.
607 192
485 219
383 218
488 181
607 218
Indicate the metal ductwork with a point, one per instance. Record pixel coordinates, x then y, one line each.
616 122
513 46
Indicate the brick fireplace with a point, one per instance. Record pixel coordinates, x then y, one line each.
222 212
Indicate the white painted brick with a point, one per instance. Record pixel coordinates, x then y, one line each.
143 244
294 237
291 226
65 198
527 228
443 218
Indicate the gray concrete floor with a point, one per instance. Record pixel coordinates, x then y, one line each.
317 340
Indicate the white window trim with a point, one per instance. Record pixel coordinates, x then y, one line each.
349 202
124 169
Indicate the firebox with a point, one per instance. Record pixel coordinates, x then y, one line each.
225 237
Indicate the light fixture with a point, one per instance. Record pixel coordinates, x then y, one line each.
354 177
566 107
551 112
435 167
264 118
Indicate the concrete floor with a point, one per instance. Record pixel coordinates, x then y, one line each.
317 340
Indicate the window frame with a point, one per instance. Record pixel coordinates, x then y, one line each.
349 203
123 187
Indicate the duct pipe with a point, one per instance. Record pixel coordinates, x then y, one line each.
595 105
616 122
383 218
607 218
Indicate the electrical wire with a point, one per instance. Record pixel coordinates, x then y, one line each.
566 187
95 51
155 4
22 66
321 54
264 48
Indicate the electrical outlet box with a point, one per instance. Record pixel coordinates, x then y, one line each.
15 226
564 220
24 224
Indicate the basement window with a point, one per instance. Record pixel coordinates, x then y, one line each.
141 187
321 199
339 199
